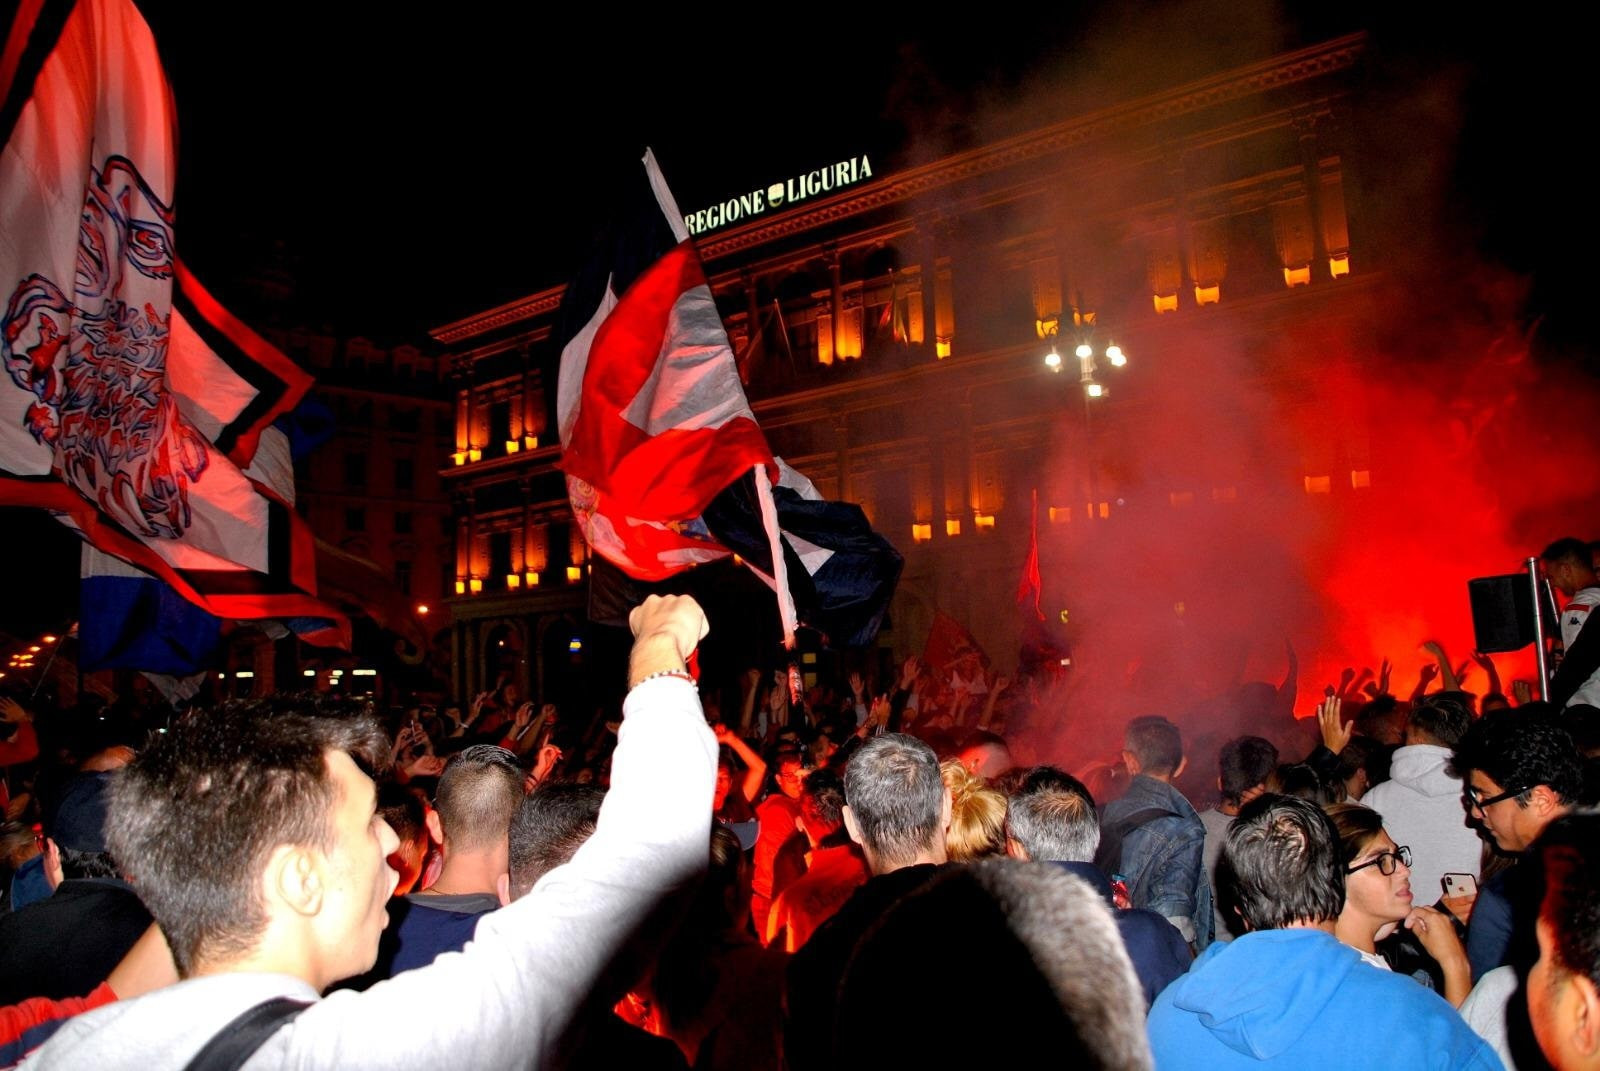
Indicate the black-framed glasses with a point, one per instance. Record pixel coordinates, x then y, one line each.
1385 861
1475 801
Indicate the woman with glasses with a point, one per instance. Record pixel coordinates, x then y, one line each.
1379 919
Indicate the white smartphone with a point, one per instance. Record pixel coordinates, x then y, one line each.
1459 885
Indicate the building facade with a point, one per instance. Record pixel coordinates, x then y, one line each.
893 329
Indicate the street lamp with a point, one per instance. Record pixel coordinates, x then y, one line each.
1085 352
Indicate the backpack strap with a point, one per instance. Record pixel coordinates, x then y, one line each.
236 1042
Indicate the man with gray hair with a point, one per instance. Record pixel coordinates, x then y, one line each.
1052 817
897 809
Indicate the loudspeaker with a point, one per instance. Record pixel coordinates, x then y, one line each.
1502 612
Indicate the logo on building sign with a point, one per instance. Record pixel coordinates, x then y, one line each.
780 194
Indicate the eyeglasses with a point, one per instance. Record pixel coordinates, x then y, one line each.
1385 861
1476 802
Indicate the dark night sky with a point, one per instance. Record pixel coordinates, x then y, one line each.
410 171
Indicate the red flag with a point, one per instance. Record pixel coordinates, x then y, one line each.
1029 588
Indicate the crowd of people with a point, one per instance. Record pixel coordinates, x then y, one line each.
811 881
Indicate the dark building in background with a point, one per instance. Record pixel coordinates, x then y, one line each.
372 491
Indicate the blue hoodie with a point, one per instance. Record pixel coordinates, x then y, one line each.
1299 998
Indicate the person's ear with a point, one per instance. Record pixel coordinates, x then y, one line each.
435 827
1015 850
294 878
851 826
1182 764
1585 1015
52 864
1544 802
1131 761
944 813
502 889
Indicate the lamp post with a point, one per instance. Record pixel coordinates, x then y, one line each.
1090 359
1085 351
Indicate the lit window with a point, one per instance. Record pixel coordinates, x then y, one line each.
1318 485
1360 478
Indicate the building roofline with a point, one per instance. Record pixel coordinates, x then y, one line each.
1302 65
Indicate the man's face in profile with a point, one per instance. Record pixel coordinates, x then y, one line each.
359 877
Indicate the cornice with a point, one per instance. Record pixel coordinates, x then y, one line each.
1295 67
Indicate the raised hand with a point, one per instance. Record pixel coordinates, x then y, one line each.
1336 732
1343 687
909 672
11 710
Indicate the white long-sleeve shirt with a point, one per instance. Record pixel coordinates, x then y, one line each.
504 999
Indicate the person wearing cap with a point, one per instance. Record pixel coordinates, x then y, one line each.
66 944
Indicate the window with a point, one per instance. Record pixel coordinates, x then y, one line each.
355 470
405 474
402 522
402 576
355 519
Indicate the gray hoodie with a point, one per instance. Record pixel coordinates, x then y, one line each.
1422 808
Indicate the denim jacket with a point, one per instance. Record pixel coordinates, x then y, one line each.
1161 860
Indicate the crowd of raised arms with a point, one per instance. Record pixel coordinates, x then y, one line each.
728 875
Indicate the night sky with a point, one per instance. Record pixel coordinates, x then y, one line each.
408 171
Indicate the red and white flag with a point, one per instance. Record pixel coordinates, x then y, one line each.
133 405
653 421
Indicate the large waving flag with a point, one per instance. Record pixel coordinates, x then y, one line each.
666 466
133 406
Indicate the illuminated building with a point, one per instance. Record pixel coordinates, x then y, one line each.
894 325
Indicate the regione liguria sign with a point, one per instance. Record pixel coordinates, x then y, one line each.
801 187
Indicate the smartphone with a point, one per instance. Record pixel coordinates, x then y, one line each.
1459 885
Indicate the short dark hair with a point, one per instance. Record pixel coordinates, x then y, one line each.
479 791
194 819
1043 951
1442 719
403 810
1156 743
1521 749
1280 865
1570 549
1243 763
548 828
1571 904
1303 781
822 800
1053 818
894 789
